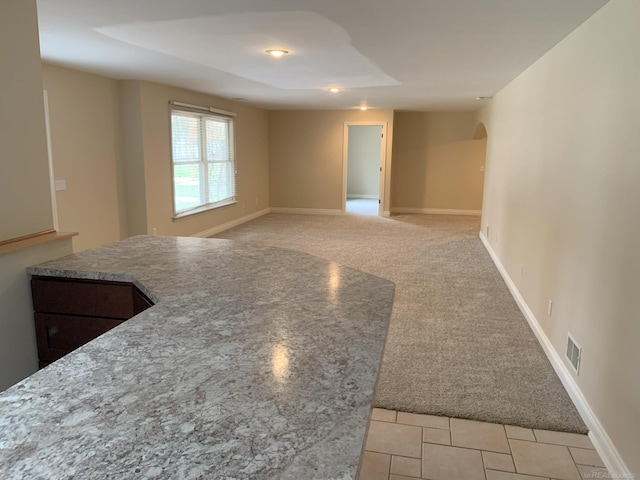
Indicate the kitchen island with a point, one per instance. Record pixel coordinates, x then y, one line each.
254 362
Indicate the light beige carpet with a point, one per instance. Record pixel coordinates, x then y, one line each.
457 345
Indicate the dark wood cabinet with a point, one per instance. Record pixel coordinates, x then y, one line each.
71 312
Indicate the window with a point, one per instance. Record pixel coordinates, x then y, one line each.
204 174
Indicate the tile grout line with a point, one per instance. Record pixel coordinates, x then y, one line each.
484 465
390 454
485 468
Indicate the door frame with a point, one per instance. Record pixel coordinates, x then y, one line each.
382 163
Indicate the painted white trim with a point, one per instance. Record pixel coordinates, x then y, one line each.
307 211
356 196
598 435
233 223
436 211
386 213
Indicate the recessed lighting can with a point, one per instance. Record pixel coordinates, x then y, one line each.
335 89
277 52
364 108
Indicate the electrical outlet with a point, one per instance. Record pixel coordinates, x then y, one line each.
550 307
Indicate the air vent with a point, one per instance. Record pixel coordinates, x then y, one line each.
574 352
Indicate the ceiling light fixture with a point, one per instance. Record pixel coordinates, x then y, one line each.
335 89
364 108
277 52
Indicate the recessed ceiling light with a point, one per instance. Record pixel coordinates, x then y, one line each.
482 98
277 52
335 89
364 108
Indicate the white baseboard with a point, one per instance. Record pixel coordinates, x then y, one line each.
598 435
233 223
307 211
386 213
436 211
356 196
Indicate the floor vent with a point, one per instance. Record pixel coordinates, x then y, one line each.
573 353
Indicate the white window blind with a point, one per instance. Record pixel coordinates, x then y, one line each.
204 173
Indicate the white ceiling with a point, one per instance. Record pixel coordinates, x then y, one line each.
400 54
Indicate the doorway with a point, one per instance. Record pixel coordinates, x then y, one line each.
363 162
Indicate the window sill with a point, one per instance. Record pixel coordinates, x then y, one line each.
203 209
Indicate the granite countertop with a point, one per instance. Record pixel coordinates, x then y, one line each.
255 362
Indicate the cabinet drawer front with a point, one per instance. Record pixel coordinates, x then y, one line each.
83 298
59 334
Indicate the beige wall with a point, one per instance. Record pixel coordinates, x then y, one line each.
252 161
363 165
111 143
25 205
306 156
84 116
25 196
436 164
562 200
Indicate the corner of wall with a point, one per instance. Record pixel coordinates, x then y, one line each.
133 195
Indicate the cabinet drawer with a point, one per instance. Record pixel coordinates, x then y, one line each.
58 335
88 298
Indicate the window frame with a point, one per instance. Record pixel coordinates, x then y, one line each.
203 113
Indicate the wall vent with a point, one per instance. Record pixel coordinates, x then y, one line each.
574 352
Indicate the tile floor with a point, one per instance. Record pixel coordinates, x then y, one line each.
406 446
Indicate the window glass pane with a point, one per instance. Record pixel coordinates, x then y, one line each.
185 138
217 140
203 168
220 181
186 186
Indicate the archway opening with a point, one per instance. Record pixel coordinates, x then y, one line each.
481 132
